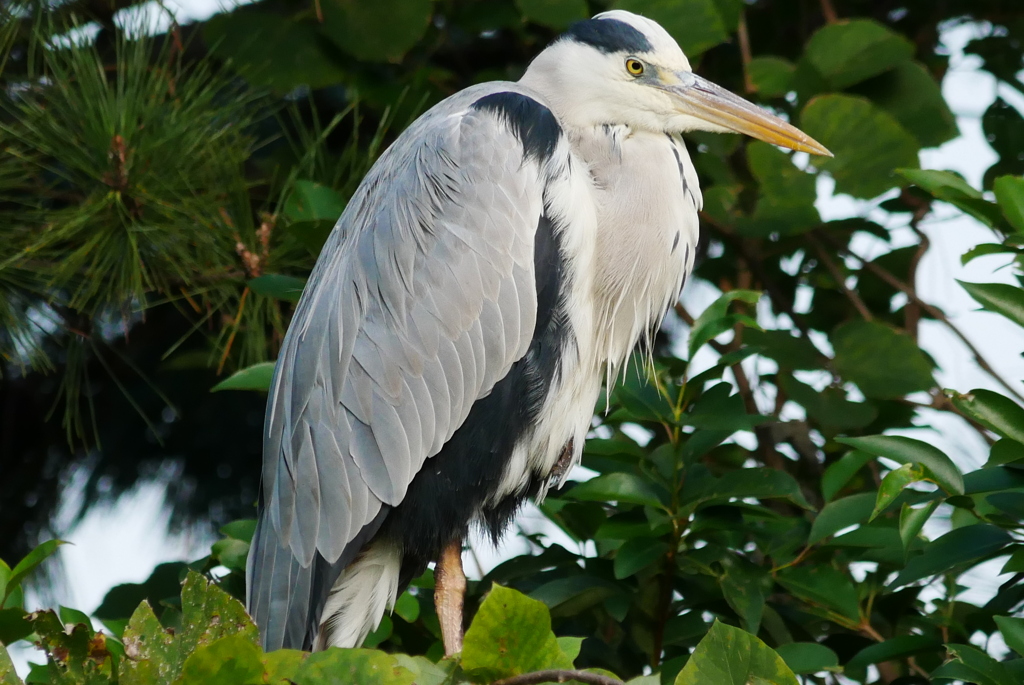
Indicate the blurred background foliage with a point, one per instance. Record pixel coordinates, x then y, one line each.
165 191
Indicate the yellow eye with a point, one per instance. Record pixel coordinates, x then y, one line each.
634 66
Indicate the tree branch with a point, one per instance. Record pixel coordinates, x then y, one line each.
840 279
745 54
558 676
930 309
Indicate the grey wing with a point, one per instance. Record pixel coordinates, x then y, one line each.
422 299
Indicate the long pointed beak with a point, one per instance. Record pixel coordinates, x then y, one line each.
703 99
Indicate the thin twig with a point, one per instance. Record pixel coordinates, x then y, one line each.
745 54
829 12
930 309
840 279
558 676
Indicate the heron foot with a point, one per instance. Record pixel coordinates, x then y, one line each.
449 591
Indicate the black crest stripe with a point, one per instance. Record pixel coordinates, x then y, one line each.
608 36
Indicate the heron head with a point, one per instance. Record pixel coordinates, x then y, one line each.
621 68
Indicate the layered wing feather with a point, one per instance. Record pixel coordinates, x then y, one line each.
422 299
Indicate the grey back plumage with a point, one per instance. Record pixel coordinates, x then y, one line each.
422 299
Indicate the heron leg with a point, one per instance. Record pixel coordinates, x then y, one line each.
449 590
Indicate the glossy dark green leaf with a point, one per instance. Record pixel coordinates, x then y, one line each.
790 351
822 585
718 409
972 665
13 625
996 412
695 24
715 320
912 96
636 555
986 249
1000 298
959 546
840 514
1005 451
70 617
883 362
1002 124
785 204
759 483
121 601
731 656
771 76
912 520
829 406
568 596
1010 196
279 286
993 478
951 188
837 475
868 143
255 377
897 647
271 49
556 14
939 467
847 52
893 485
808 657
1013 632
522 626
618 487
383 30
746 587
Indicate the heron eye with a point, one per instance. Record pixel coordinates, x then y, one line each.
634 66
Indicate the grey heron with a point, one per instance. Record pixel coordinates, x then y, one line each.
495 267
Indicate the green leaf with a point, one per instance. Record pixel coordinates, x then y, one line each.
951 188
570 646
378 31
840 514
8 676
760 483
882 362
618 487
959 546
893 485
312 201
868 143
715 320
288 288
719 410
1000 298
786 196
230 660
122 600
912 520
847 52
555 14
897 647
808 657
272 49
70 617
996 412
636 555
255 377
1010 196
1005 451
231 553
37 556
242 529
695 24
938 466
829 406
972 665
822 585
771 76
521 626
426 671
408 607
791 352
746 587
1013 632
731 656
912 96
986 249
13 626
837 475
363 666
572 595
